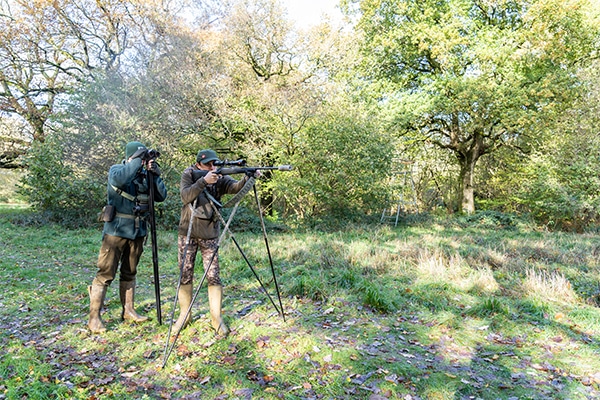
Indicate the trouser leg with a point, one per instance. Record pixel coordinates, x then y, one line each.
108 260
130 257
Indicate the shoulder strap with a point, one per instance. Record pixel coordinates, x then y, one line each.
239 195
236 198
122 193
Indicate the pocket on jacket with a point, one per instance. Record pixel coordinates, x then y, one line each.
204 211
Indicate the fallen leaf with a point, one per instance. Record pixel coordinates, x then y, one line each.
230 359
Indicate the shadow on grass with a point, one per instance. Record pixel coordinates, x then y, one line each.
362 319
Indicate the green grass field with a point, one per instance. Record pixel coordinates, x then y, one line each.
479 308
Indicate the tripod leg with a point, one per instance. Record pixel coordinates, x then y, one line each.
181 265
227 230
254 272
262 222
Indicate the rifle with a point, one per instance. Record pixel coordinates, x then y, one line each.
197 174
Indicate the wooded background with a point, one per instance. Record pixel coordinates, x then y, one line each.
492 104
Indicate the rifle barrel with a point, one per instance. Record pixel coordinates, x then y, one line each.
285 167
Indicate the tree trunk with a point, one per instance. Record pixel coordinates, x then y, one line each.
37 121
467 159
467 203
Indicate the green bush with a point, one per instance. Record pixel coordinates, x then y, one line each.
55 189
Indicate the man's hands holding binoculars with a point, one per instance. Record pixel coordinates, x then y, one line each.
148 159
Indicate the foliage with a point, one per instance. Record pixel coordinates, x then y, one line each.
438 310
342 163
558 182
9 179
562 197
175 106
49 48
493 219
496 77
55 189
471 78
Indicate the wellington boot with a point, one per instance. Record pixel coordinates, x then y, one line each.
127 293
215 298
97 294
184 295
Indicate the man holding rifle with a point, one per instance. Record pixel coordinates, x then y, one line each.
201 227
125 230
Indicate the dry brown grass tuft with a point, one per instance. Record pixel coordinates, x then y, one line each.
551 286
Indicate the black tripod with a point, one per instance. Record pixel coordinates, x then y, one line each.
151 212
216 208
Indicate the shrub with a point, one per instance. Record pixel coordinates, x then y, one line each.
57 190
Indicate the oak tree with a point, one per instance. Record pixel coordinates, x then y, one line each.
471 76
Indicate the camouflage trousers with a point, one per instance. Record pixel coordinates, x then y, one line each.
207 248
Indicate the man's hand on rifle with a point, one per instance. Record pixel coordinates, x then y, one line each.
211 178
253 173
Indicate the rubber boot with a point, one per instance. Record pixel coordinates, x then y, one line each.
215 298
184 295
97 294
127 292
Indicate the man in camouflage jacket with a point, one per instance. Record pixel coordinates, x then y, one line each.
205 230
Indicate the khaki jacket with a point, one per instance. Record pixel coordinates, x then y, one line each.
205 225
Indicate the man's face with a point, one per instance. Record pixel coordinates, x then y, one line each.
209 166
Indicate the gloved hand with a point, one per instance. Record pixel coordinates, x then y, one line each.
153 167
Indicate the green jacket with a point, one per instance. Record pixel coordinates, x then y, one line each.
205 225
130 178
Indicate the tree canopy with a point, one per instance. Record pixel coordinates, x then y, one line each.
471 76
476 94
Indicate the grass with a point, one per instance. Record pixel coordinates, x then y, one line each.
438 310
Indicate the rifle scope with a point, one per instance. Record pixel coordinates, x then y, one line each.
239 163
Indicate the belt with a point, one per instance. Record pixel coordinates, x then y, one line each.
131 216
